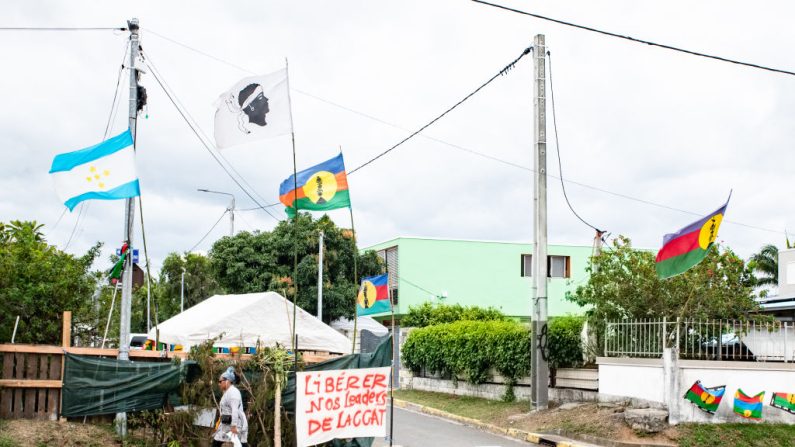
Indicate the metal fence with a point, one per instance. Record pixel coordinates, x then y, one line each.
702 339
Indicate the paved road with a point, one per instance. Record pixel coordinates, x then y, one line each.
421 430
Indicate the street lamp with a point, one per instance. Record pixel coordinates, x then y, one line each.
231 208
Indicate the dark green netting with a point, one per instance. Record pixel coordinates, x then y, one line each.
382 356
94 386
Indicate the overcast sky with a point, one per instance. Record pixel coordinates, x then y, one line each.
658 126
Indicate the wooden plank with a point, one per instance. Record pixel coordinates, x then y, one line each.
55 368
54 394
66 335
44 371
31 371
29 383
17 412
8 365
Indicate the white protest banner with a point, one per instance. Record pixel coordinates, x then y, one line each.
340 404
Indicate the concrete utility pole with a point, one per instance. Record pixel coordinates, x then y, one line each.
320 279
182 292
539 369
127 279
231 208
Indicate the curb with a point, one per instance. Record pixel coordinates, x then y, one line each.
537 438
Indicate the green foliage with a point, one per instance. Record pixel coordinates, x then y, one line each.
623 283
563 342
260 261
38 282
765 266
200 283
428 314
470 349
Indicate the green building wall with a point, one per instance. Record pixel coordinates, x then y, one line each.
480 273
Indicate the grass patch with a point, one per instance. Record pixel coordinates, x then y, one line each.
471 407
738 435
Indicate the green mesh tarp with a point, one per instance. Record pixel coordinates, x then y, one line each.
94 386
382 356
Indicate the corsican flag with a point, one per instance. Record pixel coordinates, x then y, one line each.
105 171
256 107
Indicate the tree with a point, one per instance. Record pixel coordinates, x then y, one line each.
261 261
38 282
623 283
200 282
765 263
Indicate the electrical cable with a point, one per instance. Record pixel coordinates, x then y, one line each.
502 72
557 148
59 28
74 229
209 231
646 42
204 144
114 105
464 149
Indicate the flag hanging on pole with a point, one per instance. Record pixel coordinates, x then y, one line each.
254 108
322 187
688 246
115 273
105 171
373 296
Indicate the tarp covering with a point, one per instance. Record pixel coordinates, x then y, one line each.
246 318
363 323
381 357
93 386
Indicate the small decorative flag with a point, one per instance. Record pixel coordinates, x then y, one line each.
783 401
105 171
254 108
115 273
688 246
747 406
707 399
320 188
373 296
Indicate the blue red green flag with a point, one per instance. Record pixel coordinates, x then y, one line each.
687 247
707 399
749 407
373 296
319 188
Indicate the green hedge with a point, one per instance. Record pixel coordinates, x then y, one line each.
470 349
564 346
429 314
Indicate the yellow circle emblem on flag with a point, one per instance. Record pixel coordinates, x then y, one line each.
791 398
747 413
367 295
321 187
710 399
709 231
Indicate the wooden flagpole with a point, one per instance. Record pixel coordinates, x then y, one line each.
356 278
295 205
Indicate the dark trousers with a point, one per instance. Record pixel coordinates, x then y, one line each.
220 443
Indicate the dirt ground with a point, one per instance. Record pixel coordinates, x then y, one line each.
589 419
33 433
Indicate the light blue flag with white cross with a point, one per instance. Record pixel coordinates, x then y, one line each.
105 171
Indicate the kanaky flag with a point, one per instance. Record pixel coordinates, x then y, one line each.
320 188
255 107
688 246
373 296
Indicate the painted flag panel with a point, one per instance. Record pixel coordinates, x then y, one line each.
373 296
254 108
688 246
105 171
749 407
707 399
783 401
319 188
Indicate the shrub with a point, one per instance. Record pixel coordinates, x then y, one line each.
563 342
429 314
470 349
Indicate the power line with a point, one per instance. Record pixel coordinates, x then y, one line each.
60 28
209 231
504 70
557 148
155 73
461 148
646 42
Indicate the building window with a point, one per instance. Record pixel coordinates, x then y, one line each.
557 266
390 258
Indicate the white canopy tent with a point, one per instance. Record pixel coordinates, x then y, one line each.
245 319
364 323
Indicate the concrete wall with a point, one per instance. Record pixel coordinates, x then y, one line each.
480 273
655 382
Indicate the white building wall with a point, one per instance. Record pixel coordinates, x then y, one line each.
628 378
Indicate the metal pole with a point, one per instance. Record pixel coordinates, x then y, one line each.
232 217
127 280
540 368
182 292
320 278
14 334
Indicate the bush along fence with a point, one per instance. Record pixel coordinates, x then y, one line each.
476 351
